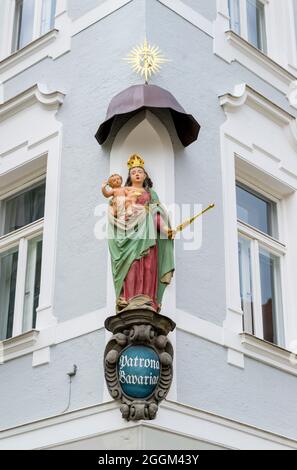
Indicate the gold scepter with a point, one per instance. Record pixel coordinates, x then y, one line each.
188 222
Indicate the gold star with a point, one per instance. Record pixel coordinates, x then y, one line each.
146 59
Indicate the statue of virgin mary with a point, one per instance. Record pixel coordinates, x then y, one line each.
140 244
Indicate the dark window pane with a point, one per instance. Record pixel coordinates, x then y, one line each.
271 310
24 208
256 211
8 275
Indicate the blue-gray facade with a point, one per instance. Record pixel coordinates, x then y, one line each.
90 74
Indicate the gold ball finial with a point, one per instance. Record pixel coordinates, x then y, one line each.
135 160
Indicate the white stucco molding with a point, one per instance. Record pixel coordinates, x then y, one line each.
34 153
273 67
271 351
28 51
244 94
52 44
278 67
95 425
260 63
265 159
38 93
238 345
18 345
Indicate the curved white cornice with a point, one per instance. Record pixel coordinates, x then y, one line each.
38 93
244 94
236 99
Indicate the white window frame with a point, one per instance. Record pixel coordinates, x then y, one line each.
20 239
244 22
34 152
53 44
278 66
275 246
270 164
36 24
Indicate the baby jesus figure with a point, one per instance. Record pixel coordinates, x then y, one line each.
123 197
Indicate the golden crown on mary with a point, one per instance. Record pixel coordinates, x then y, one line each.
135 160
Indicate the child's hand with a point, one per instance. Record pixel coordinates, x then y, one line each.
105 183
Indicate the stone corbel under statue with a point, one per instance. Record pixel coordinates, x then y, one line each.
139 335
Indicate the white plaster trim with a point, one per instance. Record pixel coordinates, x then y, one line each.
18 345
41 357
204 329
267 159
28 50
96 14
271 351
267 67
173 417
190 15
12 239
274 68
53 44
235 358
94 321
242 95
239 343
35 148
80 326
37 93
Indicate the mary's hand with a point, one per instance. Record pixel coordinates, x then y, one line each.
170 232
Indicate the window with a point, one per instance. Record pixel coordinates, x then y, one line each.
20 259
247 18
32 18
260 257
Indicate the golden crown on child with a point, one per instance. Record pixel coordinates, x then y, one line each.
135 160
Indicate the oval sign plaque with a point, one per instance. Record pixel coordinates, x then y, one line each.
138 371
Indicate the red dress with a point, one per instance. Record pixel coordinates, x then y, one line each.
142 277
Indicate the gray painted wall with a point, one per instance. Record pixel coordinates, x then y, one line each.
91 74
207 8
258 395
77 8
29 393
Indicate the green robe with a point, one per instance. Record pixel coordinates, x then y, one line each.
125 247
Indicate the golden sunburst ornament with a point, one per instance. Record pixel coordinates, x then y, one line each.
146 59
